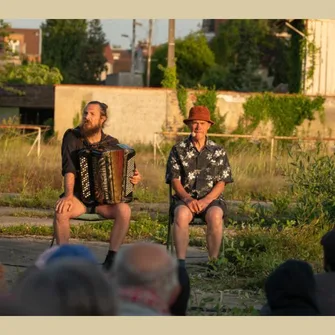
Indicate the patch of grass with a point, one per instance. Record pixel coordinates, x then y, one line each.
143 228
45 198
30 176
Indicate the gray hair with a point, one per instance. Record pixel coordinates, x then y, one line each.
67 287
163 280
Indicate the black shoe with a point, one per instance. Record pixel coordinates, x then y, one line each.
108 263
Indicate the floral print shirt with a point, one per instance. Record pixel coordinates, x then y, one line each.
198 171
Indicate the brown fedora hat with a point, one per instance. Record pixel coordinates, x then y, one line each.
200 113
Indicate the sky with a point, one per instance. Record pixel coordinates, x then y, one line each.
114 28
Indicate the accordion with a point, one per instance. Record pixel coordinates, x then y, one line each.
104 175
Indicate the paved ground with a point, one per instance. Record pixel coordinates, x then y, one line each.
19 253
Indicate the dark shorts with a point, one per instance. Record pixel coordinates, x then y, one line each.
219 203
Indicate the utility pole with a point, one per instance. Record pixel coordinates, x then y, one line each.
132 71
149 52
171 46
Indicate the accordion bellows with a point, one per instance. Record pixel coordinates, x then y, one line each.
104 175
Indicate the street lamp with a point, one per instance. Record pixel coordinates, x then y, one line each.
126 36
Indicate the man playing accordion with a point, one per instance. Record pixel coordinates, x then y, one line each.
198 170
89 134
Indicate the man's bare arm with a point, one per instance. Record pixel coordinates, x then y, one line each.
216 191
212 195
180 190
69 180
65 203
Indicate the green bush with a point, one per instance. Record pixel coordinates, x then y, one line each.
286 112
254 252
312 179
208 97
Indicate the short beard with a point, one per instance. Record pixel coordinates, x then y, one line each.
88 132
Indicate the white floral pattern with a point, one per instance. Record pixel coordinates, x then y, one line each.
198 171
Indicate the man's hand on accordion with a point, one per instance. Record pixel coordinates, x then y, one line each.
64 204
136 178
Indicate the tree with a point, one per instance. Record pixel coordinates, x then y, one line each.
295 57
76 48
242 47
4 33
93 58
193 59
32 73
25 73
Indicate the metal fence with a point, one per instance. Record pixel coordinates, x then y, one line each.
38 138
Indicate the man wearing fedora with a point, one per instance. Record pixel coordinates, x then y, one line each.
198 170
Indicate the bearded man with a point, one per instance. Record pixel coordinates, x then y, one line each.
89 134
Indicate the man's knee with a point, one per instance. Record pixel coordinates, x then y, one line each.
182 215
115 211
214 215
60 217
123 209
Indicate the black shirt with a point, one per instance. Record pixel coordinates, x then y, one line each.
72 143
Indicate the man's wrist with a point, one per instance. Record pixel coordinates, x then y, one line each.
209 198
187 198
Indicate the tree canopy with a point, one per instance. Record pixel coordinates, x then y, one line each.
76 48
193 59
24 73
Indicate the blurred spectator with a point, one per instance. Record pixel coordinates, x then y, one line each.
70 286
291 290
325 282
146 279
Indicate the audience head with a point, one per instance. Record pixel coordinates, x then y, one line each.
291 289
67 287
147 266
65 251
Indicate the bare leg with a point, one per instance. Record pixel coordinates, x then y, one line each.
121 214
62 221
182 219
214 217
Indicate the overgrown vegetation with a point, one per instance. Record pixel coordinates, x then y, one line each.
25 72
31 74
208 97
296 57
169 76
285 112
312 180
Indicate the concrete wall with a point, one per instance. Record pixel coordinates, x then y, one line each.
136 113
